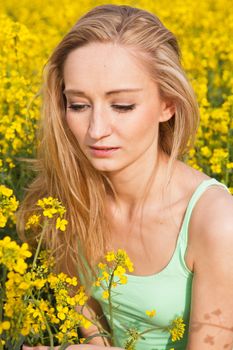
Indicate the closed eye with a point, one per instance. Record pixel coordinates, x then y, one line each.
122 108
119 108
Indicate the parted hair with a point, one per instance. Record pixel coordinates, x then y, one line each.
62 170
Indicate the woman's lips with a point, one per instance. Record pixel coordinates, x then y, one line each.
103 151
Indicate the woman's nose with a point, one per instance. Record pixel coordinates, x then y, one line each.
99 127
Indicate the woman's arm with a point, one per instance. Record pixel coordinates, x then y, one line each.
211 319
97 311
71 347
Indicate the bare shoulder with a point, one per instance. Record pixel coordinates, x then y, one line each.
211 223
214 210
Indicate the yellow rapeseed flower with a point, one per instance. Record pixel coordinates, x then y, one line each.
105 294
5 191
123 279
8 205
61 224
110 256
33 220
119 271
150 313
102 266
177 329
4 326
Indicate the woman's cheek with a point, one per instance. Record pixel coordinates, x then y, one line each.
76 127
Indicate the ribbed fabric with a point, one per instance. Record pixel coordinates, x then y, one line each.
168 292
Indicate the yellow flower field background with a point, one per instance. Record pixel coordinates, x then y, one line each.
31 29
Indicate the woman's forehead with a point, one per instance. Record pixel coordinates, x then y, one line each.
105 65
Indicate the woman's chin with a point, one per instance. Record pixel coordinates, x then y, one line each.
104 166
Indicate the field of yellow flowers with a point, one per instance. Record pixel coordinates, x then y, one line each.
31 29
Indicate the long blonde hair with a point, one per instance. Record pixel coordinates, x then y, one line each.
63 171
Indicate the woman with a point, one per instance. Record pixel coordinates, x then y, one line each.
119 115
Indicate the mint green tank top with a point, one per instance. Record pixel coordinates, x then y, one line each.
168 292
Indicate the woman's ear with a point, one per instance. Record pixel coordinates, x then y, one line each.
167 111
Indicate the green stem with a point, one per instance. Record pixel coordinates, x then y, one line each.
39 245
46 323
152 329
102 335
129 345
110 307
2 292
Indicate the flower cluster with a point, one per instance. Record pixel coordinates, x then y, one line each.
177 329
50 207
112 272
8 205
13 256
37 304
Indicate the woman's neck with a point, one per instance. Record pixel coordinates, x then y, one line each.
139 182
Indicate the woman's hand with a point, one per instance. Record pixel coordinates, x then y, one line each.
39 347
72 347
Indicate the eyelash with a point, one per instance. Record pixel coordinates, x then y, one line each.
120 108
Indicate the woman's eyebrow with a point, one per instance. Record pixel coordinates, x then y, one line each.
112 92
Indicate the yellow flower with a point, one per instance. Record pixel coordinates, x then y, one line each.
230 165
123 259
4 326
3 219
39 283
72 281
105 294
206 151
80 298
13 256
5 191
8 205
62 312
51 206
150 313
70 301
23 285
33 220
105 275
110 256
97 283
119 271
49 212
61 224
177 329
102 266
123 279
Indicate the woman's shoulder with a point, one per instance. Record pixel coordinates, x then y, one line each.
215 205
211 230
213 216
211 221
189 179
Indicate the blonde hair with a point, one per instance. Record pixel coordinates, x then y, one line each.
63 170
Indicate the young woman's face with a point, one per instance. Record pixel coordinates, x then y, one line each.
113 107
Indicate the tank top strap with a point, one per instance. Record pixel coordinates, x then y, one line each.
196 195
